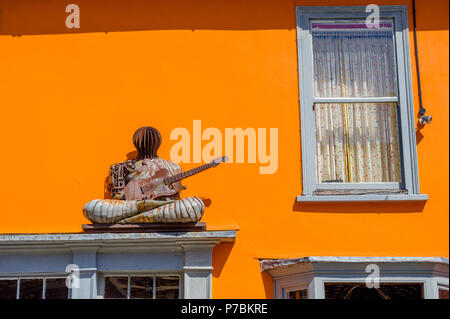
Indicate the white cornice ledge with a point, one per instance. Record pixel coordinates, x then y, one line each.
111 238
269 264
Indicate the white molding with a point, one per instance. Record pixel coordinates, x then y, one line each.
267 264
223 236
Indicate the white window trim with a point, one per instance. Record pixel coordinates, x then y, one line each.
405 98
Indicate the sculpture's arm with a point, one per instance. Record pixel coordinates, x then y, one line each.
117 175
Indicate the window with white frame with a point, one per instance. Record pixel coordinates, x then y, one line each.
296 293
34 288
141 287
357 118
328 277
443 289
359 290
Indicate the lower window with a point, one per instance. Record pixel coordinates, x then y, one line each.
443 293
34 288
142 287
298 294
385 291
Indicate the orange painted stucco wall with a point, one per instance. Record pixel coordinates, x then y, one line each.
71 100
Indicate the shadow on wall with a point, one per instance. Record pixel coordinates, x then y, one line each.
361 207
268 284
33 17
221 252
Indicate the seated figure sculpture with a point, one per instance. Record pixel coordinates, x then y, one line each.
164 209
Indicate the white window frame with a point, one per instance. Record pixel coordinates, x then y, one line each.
407 143
101 282
314 272
383 280
44 277
295 287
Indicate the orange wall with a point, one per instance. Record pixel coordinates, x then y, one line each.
71 100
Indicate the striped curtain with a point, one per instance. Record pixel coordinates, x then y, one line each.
356 142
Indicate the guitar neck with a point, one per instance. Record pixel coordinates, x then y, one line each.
179 177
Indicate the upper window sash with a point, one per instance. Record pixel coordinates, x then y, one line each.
348 56
404 99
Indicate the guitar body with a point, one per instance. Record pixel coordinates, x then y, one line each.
152 187
161 184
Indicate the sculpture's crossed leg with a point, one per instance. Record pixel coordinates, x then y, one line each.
110 211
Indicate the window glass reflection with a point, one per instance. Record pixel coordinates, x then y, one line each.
31 288
141 287
116 287
167 287
55 288
8 289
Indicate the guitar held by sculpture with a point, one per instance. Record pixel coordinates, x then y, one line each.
161 184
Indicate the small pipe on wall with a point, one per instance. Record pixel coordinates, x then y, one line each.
424 119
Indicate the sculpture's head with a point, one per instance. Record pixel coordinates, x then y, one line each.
147 141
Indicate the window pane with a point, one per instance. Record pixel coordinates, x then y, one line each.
141 287
8 289
361 291
443 294
298 294
31 288
116 287
55 288
167 287
353 60
357 143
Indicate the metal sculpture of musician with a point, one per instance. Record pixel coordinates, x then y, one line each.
147 189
